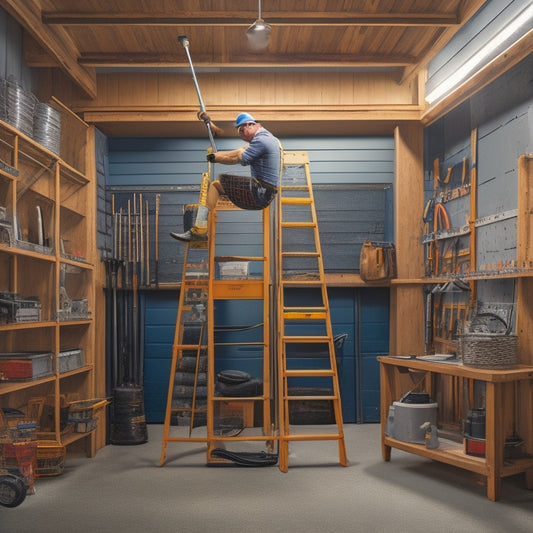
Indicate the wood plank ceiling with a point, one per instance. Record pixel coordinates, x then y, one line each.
99 36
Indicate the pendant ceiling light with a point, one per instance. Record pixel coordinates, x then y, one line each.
258 33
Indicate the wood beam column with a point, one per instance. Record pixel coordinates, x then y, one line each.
407 298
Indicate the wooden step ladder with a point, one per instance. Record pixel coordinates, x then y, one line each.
194 352
299 265
187 389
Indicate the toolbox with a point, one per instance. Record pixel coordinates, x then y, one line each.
70 360
16 366
14 308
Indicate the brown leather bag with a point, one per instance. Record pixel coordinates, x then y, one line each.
377 261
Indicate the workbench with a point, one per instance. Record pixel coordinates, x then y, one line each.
492 466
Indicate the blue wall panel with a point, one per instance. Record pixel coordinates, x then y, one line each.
374 341
160 321
358 369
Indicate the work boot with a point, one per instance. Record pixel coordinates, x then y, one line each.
189 236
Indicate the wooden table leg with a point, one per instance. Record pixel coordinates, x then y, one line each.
494 411
386 394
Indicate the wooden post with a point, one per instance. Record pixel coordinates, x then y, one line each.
407 298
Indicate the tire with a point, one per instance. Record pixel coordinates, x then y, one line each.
12 491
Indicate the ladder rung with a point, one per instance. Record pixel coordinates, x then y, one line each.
188 346
309 373
316 436
296 201
238 398
304 315
300 254
230 258
311 398
294 187
305 339
298 225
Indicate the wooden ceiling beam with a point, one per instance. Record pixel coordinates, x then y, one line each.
56 42
247 61
245 18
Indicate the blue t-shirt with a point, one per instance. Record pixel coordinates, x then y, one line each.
263 154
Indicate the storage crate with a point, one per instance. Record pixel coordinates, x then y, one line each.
232 270
19 366
84 409
70 360
81 414
50 458
15 426
85 425
14 308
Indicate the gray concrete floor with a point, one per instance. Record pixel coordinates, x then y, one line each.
123 489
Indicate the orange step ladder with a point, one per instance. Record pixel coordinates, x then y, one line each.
299 265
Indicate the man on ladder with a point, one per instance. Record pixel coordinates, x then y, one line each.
263 155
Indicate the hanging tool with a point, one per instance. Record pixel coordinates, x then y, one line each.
147 246
202 211
141 244
473 214
202 114
157 201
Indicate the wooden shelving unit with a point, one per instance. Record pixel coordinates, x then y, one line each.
51 257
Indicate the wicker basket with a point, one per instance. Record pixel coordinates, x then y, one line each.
489 351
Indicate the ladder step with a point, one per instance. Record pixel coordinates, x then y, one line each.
294 187
298 225
230 258
300 254
302 283
317 436
238 398
311 398
188 346
305 339
309 373
296 201
305 315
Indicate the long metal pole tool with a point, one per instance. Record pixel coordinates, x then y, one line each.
202 115
202 212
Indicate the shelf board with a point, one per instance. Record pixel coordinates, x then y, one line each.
26 325
74 437
8 175
14 250
77 264
76 371
448 452
452 453
84 322
12 386
71 174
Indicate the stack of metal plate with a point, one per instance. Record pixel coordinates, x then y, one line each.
47 127
20 106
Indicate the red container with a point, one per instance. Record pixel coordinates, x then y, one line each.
474 447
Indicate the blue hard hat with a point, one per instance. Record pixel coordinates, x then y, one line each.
244 118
